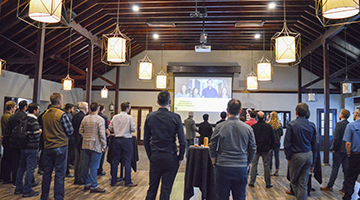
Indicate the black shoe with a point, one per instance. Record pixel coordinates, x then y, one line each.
251 185
41 172
69 175
86 188
31 194
17 192
35 183
101 174
97 190
269 186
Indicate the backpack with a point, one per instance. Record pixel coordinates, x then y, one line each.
19 138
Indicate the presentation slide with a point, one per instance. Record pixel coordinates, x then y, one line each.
202 94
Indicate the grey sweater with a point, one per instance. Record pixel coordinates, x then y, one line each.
233 143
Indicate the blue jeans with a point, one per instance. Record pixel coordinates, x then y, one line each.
54 158
91 163
230 178
28 163
122 150
338 159
275 151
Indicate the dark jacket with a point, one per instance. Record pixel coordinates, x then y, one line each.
277 134
5 124
338 144
33 133
264 136
14 119
205 130
76 122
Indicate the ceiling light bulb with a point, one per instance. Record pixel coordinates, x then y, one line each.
156 36
272 5
257 36
135 8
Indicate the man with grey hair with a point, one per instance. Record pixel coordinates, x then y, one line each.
352 139
191 129
76 121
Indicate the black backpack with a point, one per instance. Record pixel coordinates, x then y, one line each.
19 138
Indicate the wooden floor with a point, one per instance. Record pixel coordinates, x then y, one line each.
120 192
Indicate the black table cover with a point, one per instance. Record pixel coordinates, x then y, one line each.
199 173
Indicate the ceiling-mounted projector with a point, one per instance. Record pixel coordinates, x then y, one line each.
202 48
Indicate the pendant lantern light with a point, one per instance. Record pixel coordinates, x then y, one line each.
251 79
311 96
161 77
2 66
50 12
286 45
116 46
145 66
104 93
263 66
337 12
346 85
67 82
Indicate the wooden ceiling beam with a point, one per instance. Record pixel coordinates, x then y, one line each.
20 61
84 32
59 77
17 46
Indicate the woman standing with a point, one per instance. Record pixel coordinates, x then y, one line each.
278 132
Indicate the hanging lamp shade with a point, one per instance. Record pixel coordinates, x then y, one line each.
2 66
346 86
263 69
311 97
67 83
104 93
47 11
251 81
161 80
145 68
116 48
339 9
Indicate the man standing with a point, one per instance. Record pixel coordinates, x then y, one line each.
339 150
92 130
100 171
265 139
209 92
123 126
205 129
252 119
29 154
15 151
190 130
161 129
351 137
300 150
10 107
76 122
69 108
232 149
223 118
56 128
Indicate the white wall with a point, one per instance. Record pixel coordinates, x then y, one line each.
20 86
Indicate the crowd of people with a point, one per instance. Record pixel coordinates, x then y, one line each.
208 92
78 136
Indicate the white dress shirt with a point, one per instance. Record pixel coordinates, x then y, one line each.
123 125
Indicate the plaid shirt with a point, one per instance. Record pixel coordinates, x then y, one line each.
92 129
65 121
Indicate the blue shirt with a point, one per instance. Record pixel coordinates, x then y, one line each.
352 135
209 93
160 132
300 137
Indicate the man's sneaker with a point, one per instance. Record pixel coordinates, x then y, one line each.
251 185
87 187
69 175
97 190
131 185
326 188
269 186
101 174
17 192
31 194
41 172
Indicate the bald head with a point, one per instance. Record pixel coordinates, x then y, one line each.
260 115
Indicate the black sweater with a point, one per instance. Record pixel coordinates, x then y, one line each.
264 136
33 133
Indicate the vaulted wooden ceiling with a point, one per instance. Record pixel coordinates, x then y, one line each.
97 17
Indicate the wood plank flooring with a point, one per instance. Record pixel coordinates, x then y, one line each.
259 192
